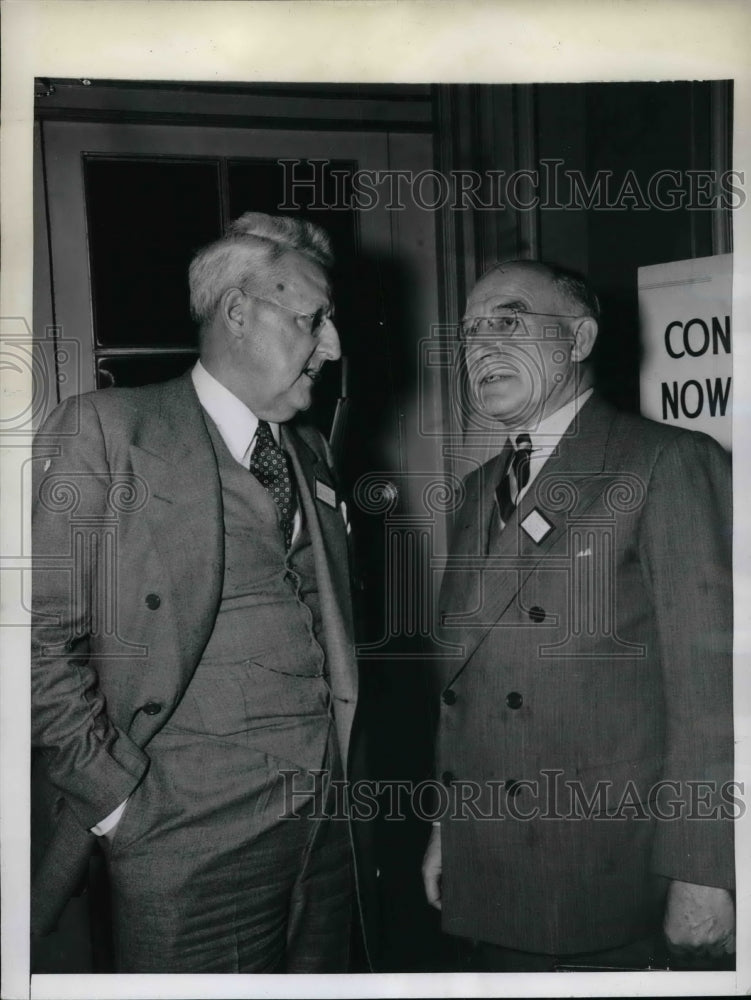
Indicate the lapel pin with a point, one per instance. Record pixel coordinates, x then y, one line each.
537 526
325 493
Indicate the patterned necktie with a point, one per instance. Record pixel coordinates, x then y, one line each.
269 464
515 478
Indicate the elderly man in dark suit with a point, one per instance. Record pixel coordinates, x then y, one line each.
193 674
586 713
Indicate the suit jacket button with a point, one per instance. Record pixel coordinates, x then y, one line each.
447 777
514 699
537 614
153 601
512 787
151 708
449 697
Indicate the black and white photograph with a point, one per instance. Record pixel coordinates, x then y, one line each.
375 581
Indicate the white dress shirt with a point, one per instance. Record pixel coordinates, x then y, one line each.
235 422
547 436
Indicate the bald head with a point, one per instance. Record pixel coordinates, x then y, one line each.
577 296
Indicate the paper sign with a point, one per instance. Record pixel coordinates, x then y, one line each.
686 372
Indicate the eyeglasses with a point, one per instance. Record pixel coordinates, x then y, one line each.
317 319
503 323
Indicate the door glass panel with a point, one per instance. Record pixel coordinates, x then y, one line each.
264 186
146 218
142 369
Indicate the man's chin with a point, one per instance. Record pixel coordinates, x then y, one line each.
514 419
288 409
302 401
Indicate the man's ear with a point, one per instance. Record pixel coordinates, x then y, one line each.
232 311
585 336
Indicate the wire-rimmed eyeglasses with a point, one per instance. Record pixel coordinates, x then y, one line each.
317 319
503 323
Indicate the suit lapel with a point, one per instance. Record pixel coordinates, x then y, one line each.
173 454
328 538
566 486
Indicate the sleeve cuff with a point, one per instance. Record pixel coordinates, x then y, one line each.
109 822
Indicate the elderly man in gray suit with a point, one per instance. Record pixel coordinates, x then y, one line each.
586 716
192 634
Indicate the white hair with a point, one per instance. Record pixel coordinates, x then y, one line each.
250 245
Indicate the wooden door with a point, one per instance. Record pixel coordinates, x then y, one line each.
125 207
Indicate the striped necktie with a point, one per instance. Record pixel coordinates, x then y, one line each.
515 477
270 465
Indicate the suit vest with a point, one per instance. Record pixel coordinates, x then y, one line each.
262 676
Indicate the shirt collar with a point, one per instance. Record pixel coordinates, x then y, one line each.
546 435
235 422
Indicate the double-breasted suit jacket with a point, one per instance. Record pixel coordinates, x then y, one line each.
128 555
593 645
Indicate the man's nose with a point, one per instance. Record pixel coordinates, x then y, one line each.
328 341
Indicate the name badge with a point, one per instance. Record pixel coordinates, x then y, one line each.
325 493
537 526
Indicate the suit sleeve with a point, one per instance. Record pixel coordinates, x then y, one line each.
90 760
686 548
